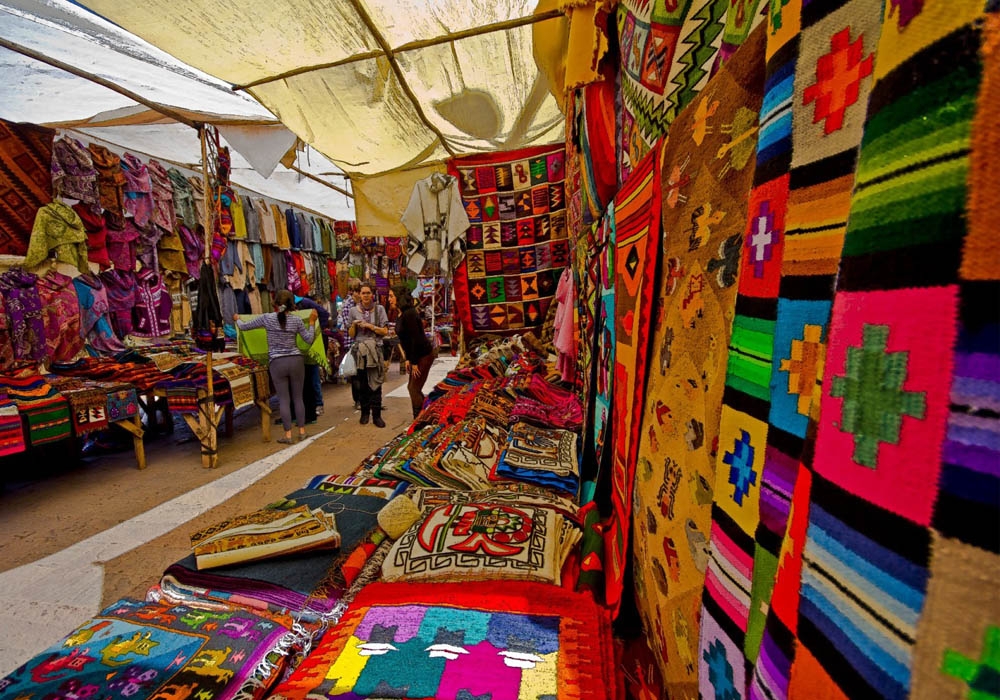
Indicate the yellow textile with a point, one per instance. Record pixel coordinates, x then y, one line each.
281 227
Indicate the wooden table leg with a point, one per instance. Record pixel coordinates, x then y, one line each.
265 419
134 426
205 427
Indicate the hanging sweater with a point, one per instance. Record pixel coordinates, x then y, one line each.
110 182
184 208
73 172
61 315
138 189
151 313
94 322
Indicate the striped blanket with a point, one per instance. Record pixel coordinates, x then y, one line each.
47 411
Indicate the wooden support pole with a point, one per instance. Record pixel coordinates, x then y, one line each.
265 419
134 427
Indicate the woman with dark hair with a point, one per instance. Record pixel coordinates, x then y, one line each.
285 361
368 325
418 353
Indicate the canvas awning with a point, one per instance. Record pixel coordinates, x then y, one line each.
377 85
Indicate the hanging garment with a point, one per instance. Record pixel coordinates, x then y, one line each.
257 256
198 195
7 360
565 328
281 227
122 245
194 249
180 307
207 311
170 253
120 287
164 214
97 235
61 315
24 314
268 232
436 220
305 230
251 218
294 232
230 261
110 183
58 230
294 281
317 234
95 324
151 313
73 173
25 181
146 247
238 215
138 189
184 207
329 245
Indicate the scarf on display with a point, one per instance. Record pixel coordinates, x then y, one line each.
73 173
61 313
138 190
95 325
97 235
25 182
110 183
24 314
120 288
162 192
58 231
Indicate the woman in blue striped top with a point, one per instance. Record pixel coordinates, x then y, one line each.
285 361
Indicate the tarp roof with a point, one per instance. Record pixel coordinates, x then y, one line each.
62 65
377 85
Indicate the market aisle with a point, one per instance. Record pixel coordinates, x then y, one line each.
44 599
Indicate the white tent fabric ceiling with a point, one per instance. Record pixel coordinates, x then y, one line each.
47 47
376 85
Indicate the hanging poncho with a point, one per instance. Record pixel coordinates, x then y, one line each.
73 173
24 313
58 229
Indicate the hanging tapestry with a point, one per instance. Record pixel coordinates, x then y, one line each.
25 182
462 640
819 66
517 244
604 336
667 52
636 257
479 541
135 648
703 230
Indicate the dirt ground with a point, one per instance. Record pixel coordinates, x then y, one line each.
53 499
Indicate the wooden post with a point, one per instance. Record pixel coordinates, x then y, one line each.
134 427
208 417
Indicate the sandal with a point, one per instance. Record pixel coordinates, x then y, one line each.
303 436
286 440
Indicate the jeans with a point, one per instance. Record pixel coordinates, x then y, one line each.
313 380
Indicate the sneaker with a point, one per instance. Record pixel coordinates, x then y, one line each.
319 410
357 405
286 440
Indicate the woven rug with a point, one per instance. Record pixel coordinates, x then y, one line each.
88 402
517 244
25 182
637 255
667 52
134 648
704 226
460 641
469 541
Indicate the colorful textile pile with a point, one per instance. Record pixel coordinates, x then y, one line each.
307 585
25 182
541 456
468 640
11 430
703 234
88 402
46 410
146 650
517 243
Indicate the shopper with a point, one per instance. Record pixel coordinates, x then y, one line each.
353 299
312 370
418 352
368 325
285 361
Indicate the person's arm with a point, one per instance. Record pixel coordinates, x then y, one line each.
255 322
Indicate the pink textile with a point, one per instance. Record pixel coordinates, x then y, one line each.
138 190
565 340
61 316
